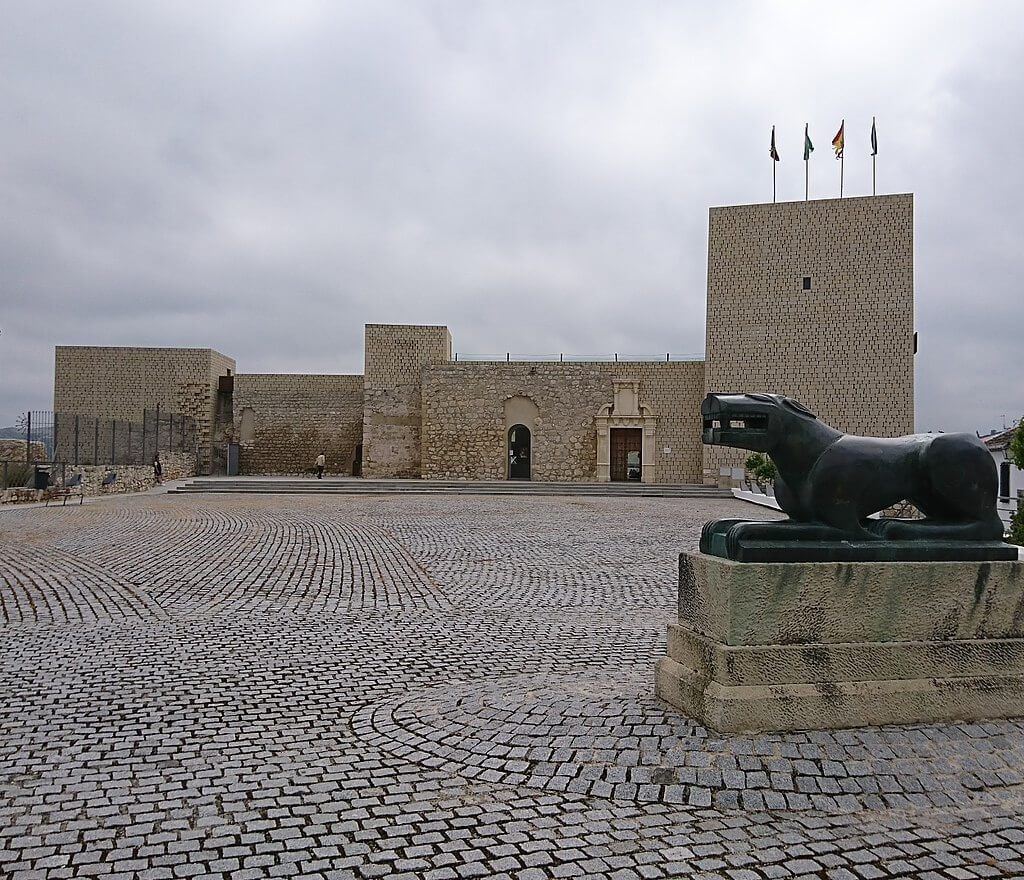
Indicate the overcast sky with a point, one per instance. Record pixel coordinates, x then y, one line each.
266 178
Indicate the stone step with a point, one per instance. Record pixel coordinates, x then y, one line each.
349 486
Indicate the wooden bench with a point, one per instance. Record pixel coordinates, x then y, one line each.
72 487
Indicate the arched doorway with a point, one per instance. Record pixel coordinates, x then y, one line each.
519 452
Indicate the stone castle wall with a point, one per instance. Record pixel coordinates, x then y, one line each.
282 422
464 425
395 355
845 348
119 383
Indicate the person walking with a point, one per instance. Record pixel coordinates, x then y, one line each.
158 470
321 461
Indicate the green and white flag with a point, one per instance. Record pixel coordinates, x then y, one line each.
808 146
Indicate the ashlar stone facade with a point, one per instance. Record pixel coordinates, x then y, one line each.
815 300
395 357
119 383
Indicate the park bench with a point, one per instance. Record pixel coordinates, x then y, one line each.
109 478
71 487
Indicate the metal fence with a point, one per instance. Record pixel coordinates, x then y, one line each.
576 359
88 440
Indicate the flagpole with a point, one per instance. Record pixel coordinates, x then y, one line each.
839 145
774 155
808 147
874 154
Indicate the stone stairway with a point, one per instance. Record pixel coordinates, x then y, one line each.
356 486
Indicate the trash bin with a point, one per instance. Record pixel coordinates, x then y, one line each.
42 478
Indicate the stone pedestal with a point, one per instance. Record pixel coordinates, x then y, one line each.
798 646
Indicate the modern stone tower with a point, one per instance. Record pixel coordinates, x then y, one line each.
815 300
118 383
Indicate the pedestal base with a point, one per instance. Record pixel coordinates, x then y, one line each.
808 646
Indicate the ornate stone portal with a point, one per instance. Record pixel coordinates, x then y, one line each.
626 411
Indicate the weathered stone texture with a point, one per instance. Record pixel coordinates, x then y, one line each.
845 347
395 357
15 450
294 419
119 383
464 431
133 478
767 646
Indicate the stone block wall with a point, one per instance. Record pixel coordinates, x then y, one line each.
15 450
118 383
464 430
132 478
395 356
282 422
844 347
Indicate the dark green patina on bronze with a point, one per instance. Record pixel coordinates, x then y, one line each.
830 483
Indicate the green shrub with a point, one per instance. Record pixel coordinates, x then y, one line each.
761 468
1016 535
18 473
1016 456
1017 447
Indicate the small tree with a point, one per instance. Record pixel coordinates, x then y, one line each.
1017 447
1016 456
761 468
1016 535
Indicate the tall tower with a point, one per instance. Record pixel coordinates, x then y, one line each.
395 355
814 300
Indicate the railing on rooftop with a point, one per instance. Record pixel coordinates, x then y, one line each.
576 359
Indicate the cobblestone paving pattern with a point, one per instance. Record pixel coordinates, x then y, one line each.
426 688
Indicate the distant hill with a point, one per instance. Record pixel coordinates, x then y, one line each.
42 435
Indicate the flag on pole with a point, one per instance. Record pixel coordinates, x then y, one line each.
773 152
808 146
874 138
837 141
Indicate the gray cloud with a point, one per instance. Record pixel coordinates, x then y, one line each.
266 178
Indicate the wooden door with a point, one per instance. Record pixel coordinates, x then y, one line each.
625 453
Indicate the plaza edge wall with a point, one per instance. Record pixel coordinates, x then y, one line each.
119 382
296 417
846 347
464 434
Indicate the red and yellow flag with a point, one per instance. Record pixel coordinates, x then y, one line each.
837 141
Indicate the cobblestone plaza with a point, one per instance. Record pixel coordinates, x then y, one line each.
426 687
